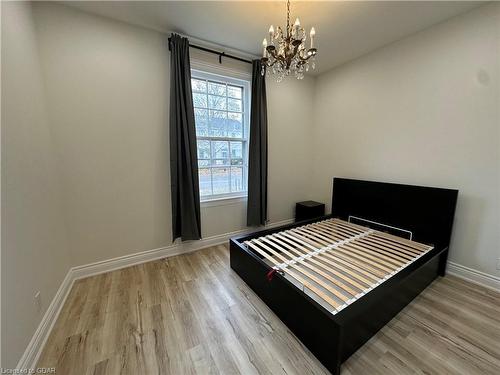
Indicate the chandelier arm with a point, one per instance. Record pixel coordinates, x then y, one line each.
276 56
272 53
269 65
309 55
270 62
304 59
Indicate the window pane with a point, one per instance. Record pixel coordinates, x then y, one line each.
220 180
234 125
237 179
219 106
217 102
234 105
201 122
203 149
220 149
217 123
198 85
199 100
236 150
205 181
234 91
217 88
219 162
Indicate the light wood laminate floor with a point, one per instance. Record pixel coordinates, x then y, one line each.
191 314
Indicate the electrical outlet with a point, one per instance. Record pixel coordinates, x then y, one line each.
38 302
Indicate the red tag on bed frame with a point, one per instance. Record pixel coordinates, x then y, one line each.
270 274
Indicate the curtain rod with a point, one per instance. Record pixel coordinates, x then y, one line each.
220 54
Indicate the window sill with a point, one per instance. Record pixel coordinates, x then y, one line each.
225 201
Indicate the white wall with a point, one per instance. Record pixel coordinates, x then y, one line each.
290 113
423 111
107 91
108 97
34 245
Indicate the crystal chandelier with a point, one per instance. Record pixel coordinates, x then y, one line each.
286 53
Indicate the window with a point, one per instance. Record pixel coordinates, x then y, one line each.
221 109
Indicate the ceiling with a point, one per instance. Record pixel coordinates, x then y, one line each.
344 29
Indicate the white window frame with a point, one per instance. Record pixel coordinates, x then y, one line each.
230 79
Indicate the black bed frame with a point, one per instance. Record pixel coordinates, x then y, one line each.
425 211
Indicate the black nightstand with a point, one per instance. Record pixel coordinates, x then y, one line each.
308 210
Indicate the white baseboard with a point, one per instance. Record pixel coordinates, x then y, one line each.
162 252
474 276
32 353
37 343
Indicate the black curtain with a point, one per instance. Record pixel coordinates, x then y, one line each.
186 222
257 154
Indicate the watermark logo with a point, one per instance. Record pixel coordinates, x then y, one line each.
22 371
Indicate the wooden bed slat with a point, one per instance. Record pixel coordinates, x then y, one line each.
335 235
376 243
304 282
347 223
389 251
380 270
336 258
369 268
317 233
306 241
357 245
349 250
403 241
330 234
353 267
304 262
345 228
306 273
371 273
313 236
380 257
363 277
335 230
360 240
410 243
328 268
396 245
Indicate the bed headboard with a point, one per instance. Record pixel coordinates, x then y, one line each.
426 212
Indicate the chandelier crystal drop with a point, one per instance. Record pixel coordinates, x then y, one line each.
286 52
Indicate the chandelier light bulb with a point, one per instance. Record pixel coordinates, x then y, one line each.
271 33
312 34
297 27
